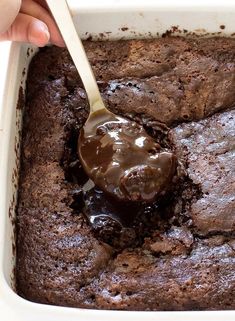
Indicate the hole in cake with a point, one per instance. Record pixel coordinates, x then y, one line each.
72 167
103 213
116 293
125 265
51 77
129 293
92 298
78 202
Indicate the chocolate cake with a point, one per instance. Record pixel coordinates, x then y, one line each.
78 247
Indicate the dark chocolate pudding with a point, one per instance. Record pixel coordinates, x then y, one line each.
123 160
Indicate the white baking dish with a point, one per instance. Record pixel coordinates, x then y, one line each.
108 19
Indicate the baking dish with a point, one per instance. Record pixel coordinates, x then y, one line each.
106 20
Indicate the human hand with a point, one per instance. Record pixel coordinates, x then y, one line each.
28 21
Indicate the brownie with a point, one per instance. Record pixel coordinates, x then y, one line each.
177 253
208 147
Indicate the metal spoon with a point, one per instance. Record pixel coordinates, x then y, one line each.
62 16
117 154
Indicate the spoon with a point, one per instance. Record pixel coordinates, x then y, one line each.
116 153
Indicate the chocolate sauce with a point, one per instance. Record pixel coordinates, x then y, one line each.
119 224
123 160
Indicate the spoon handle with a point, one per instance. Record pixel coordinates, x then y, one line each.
63 18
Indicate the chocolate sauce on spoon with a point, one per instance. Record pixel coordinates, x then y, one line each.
123 160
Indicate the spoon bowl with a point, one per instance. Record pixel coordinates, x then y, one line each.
122 159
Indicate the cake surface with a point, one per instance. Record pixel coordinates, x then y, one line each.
179 254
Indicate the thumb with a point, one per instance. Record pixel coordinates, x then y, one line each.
27 29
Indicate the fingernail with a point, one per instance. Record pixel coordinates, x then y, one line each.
45 30
38 33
